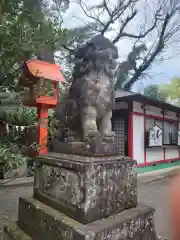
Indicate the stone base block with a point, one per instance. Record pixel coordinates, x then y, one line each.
13 232
42 222
86 188
89 148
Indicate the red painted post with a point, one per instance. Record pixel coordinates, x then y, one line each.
42 132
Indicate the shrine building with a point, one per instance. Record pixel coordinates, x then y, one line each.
147 130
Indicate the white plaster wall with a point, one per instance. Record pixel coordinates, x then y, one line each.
171 152
149 109
154 154
171 115
121 105
137 107
153 111
138 138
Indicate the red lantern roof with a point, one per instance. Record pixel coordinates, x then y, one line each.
45 70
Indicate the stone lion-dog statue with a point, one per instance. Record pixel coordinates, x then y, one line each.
87 110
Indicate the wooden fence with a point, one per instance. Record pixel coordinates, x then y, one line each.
22 135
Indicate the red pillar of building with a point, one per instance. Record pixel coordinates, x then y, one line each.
130 134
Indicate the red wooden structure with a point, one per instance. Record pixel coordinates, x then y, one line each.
35 73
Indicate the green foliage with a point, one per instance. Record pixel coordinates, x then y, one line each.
22 116
13 112
24 28
11 157
165 92
155 92
13 151
173 90
27 28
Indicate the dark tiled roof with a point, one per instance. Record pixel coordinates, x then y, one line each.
122 95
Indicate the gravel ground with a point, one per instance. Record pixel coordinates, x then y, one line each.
154 194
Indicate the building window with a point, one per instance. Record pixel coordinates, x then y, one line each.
174 133
119 129
169 131
166 133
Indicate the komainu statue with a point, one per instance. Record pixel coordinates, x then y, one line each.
85 116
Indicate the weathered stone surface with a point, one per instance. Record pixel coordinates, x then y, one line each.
13 232
89 148
42 222
86 188
87 109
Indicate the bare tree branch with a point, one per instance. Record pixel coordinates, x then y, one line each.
88 13
125 34
148 62
164 27
116 13
127 20
106 8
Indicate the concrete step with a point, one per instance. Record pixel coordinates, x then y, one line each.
13 232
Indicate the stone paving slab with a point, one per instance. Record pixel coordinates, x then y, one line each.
154 194
12 231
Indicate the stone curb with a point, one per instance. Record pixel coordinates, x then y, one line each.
23 181
158 174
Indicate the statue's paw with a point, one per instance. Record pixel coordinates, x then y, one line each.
92 134
109 134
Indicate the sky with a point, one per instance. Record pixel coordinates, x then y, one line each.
160 71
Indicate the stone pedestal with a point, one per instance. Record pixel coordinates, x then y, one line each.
81 197
86 188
